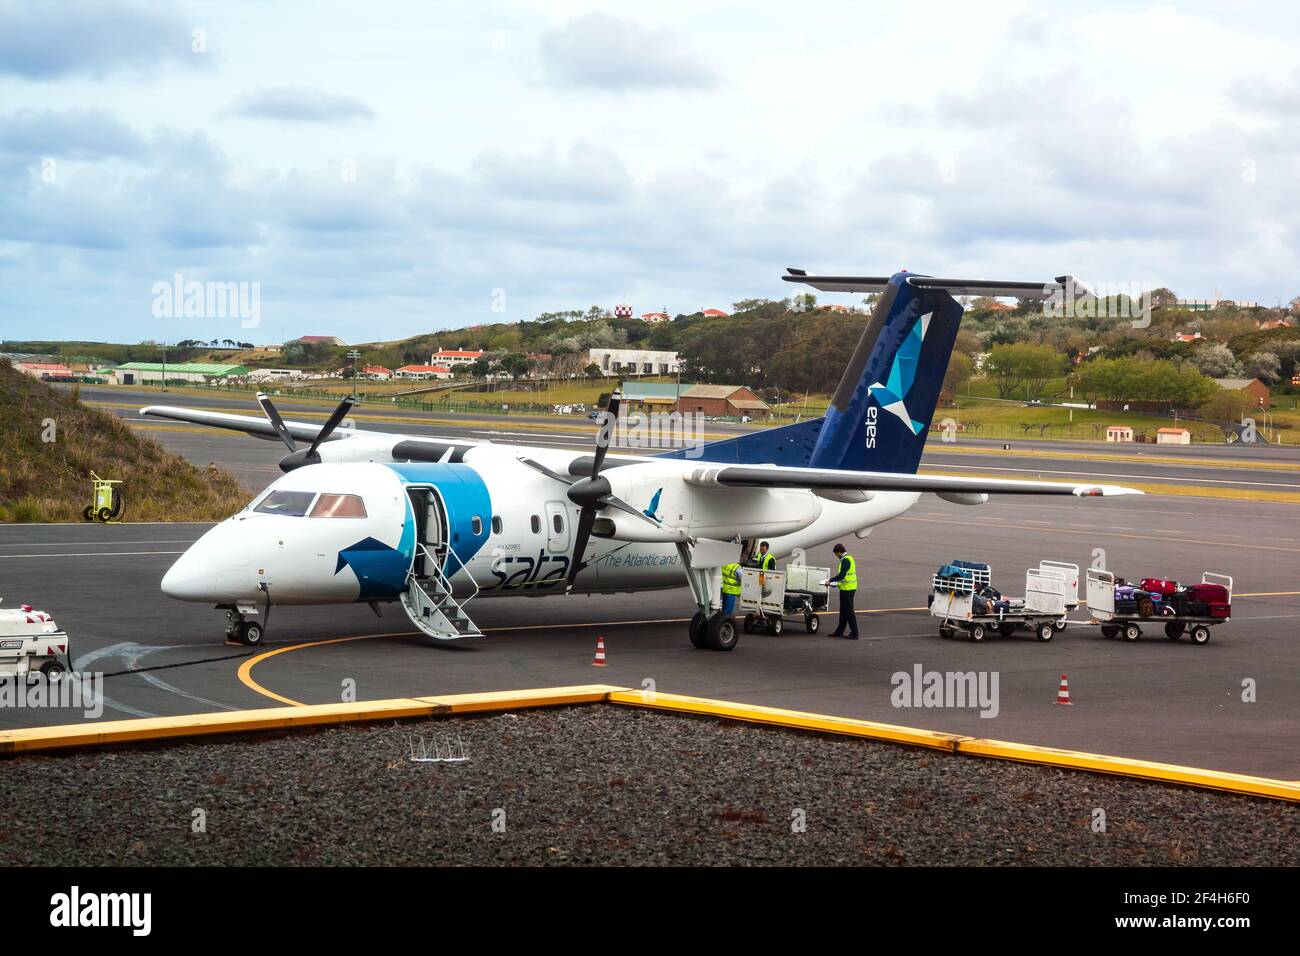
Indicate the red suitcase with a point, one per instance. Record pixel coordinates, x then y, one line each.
1208 593
1219 610
1160 586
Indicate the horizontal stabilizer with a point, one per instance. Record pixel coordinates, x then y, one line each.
1060 286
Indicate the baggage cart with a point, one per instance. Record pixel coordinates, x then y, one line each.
770 598
31 643
1102 611
1050 590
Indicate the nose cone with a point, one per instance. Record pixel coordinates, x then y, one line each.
215 568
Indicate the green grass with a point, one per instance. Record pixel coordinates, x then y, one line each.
1004 419
49 480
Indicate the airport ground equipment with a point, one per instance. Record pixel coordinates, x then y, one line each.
106 501
770 598
1101 609
30 641
955 600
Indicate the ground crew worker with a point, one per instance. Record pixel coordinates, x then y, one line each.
846 579
730 587
765 560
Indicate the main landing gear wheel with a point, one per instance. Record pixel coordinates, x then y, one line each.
699 628
723 633
1045 631
1173 631
1200 634
813 623
250 633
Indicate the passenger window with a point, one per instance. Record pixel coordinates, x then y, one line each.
291 503
476 525
496 524
537 524
558 522
339 506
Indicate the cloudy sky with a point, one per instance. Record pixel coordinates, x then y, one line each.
383 169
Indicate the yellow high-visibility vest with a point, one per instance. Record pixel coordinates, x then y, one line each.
767 562
731 578
850 580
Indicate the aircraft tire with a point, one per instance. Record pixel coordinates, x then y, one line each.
723 633
699 630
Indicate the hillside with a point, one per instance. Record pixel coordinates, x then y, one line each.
50 480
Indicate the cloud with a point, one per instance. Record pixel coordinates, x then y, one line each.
599 51
303 105
68 134
48 41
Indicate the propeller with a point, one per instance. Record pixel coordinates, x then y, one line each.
592 493
309 455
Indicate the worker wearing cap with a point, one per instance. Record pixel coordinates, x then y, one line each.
730 587
846 579
765 560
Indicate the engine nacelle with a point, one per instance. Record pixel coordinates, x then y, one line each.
964 497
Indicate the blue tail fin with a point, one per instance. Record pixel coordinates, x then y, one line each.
880 413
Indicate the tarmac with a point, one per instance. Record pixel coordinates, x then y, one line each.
1154 699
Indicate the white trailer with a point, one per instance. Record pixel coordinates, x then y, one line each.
31 641
1101 609
1051 590
769 598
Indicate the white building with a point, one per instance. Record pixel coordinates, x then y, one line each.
454 357
635 361
441 372
274 374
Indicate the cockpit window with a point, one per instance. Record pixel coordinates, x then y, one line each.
339 506
292 503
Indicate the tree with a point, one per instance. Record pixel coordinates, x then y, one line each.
960 368
1216 361
480 367
1023 367
515 363
1227 407
1265 366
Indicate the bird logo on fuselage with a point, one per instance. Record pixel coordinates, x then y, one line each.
902 374
652 511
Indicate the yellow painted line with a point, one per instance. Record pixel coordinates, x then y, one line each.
246 668
1227 464
1154 488
1098 533
275 718
1126 767
1266 594
775 716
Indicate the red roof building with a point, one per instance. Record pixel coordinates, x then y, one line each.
423 371
713 313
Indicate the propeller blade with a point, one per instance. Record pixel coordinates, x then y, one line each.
605 434
273 415
586 518
539 467
332 423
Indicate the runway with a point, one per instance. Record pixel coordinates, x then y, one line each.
1153 699
1239 469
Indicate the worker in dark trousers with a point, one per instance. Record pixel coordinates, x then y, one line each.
765 560
846 579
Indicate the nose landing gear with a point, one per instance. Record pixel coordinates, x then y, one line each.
239 629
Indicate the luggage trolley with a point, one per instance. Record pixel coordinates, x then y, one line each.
1050 590
1102 609
769 598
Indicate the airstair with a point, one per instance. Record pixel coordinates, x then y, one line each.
429 601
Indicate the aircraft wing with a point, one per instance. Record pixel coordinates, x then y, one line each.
259 427
817 479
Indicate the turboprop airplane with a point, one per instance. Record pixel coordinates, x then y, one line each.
432 523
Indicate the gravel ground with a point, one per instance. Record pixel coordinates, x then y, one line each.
605 785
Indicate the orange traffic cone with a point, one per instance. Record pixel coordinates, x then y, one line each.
600 654
1063 695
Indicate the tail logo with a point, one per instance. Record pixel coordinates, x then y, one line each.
902 374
